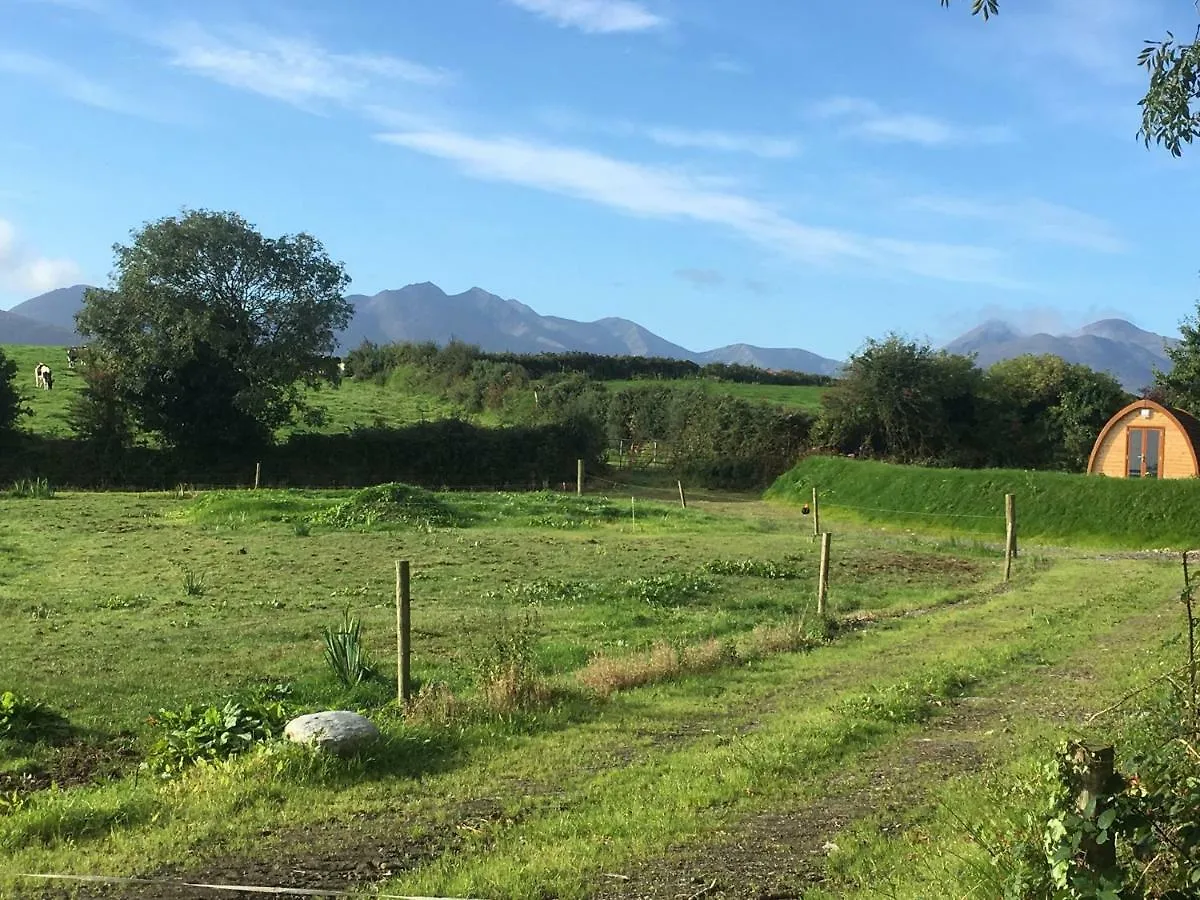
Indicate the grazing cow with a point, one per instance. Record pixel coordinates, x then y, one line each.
72 357
43 376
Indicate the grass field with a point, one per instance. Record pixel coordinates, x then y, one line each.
801 397
399 402
698 728
351 403
1051 507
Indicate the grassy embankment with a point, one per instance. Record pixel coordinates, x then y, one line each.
1052 507
548 800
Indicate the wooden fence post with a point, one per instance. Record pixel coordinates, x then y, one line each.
1010 518
403 632
579 477
816 514
823 574
1010 534
257 473
1094 777
682 498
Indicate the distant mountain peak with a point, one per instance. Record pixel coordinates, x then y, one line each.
422 311
1130 354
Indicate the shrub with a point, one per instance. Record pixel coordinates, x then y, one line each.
349 660
25 719
506 667
214 733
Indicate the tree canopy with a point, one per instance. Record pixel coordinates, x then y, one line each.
1173 69
11 407
209 330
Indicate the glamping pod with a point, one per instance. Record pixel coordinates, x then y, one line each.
1147 440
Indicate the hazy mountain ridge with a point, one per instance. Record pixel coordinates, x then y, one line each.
1128 353
18 329
424 312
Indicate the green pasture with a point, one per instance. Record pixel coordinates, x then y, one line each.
800 397
351 403
117 605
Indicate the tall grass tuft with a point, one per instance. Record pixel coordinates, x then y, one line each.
345 653
193 583
506 668
31 489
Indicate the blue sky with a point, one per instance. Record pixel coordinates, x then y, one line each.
785 174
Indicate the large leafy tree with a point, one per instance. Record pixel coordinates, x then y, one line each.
902 400
11 405
1046 412
1180 386
210 330
1169 117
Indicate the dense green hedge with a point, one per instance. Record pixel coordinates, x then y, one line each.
448 453
1051 506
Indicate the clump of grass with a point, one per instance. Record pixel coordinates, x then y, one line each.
391 505
752 568
908 701
506 667
670 588
434 704
125 601
606 675
788 637
345 653
301 529
194 584
31 489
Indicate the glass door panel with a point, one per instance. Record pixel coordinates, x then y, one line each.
1152 442
1134 456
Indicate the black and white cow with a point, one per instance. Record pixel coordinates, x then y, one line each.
72 357
43 377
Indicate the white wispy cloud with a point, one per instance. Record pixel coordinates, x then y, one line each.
69 82
291 69
661 193
724 142
595 16
1031 218
22 269
867 119
712 140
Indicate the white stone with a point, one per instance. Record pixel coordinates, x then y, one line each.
337 731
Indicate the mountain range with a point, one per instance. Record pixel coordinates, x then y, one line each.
424 312
1120 348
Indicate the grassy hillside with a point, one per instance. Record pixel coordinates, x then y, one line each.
1051 506
803 397
49 407
351 403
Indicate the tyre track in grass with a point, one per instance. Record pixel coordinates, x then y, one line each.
783 853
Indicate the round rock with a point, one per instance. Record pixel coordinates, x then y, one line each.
336 731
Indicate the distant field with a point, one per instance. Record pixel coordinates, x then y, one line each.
804 397
352 403
1051 506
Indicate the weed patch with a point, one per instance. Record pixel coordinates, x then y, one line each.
391 506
